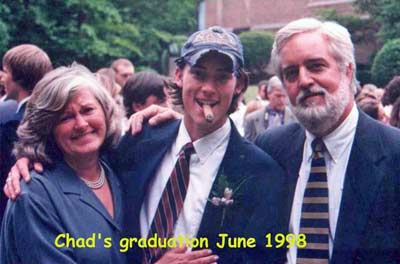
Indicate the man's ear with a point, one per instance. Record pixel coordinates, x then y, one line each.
178 76
241 84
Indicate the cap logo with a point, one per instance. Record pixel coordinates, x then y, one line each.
206 37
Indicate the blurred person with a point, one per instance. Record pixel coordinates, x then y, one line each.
260 100
142 90
68 123
23 67
275 114
123 69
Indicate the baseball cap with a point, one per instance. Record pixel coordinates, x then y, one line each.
213 39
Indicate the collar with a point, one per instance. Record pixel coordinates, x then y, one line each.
21 104
204 146
339 139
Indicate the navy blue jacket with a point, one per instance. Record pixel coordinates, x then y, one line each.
55 203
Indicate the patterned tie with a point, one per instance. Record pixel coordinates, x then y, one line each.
171 203
314 222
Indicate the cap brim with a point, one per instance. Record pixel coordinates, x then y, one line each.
193 58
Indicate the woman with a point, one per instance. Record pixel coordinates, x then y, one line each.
69 120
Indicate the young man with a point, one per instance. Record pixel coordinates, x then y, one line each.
23 67
123 69
209 79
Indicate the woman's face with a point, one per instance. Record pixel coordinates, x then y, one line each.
81 129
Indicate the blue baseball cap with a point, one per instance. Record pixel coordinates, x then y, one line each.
213 39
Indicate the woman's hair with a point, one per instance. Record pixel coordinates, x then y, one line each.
46 105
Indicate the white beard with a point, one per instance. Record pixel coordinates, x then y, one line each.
322 118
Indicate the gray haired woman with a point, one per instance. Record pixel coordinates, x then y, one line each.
73 211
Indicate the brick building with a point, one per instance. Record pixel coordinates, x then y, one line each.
271 15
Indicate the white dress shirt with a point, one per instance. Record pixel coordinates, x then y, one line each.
204 165
338 144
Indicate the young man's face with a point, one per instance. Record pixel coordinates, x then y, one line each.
210 82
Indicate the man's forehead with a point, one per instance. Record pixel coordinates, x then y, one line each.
220 61
125 68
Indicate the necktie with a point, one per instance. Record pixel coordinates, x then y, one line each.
171 203
314 222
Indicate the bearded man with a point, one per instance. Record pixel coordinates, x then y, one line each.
343 184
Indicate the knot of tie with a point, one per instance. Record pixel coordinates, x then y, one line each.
318 146
187 150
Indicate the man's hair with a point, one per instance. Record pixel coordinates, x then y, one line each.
121 61
28 64
175 92
262 83
394 116
339 43
140 86
46 105
392 91
273 83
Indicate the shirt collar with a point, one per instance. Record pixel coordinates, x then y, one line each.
339 139
23 101
204 146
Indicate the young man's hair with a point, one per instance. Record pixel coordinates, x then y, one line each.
27 64
140 86
175 92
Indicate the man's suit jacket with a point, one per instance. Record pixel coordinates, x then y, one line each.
8 136
255 123
368 227
138 158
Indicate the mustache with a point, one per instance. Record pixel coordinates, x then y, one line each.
312 91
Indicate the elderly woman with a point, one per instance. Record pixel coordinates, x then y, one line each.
74 207
73 211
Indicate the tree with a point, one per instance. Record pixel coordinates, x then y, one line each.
257 47
386 64
386 13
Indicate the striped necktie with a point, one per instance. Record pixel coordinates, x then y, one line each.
314 222
171 203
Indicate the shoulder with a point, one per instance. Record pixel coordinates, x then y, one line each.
282 134
256 114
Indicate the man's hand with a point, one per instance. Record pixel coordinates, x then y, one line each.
12 188
155 114
180 256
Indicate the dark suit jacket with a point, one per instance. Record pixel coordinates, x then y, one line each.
138 158
54 203
8 136
368 228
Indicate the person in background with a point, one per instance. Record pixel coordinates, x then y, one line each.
260 100
123 69
142 90
275 114
23 67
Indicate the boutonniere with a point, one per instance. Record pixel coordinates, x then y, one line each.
225 194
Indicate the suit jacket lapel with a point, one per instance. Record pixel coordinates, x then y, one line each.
72 185
231 167
360 187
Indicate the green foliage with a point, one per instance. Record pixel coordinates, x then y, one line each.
257 47
386 13
386 63
95 32
361 29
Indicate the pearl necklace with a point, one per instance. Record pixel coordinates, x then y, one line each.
99 182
